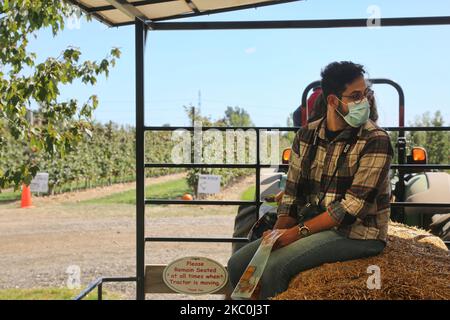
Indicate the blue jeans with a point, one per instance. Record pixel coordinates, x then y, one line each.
285 263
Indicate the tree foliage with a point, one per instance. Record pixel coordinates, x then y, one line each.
233 117
236 117
437 143
25 83
105 157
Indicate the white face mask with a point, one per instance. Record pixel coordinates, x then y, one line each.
358 114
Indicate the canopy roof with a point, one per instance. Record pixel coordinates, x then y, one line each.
124 12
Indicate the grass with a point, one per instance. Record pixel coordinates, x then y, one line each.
82 185
164 190
249 195
9 196
51 294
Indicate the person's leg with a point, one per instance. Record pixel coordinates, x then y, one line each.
317 249
240 260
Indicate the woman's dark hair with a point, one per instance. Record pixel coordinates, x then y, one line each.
338 75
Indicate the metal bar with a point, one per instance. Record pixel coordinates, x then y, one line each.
420 166
401 100
244 202
99 281
100 291
420 204
158 128
201 202
284 166
258 176
163 128
123 24
215 165
298 24
178 239
140 168
118 279
401 141
401 159
192 6
88 290
416 128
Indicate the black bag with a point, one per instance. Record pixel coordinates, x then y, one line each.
268 220
309 211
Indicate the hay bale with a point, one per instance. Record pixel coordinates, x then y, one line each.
414 265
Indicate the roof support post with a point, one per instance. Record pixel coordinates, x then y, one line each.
140 34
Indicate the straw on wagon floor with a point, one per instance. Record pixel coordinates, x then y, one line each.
414 265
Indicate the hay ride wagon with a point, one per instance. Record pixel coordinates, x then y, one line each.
156 15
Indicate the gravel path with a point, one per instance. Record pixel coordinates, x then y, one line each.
37 245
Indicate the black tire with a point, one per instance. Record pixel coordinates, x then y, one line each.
440 226
243 223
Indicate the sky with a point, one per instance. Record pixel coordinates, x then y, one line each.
263 71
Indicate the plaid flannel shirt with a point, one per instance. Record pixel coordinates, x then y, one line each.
359 191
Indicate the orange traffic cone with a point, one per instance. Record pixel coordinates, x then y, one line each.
26 197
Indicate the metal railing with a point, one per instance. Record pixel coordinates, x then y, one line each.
256 166
98 283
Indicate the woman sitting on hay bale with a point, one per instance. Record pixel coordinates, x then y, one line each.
336 203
